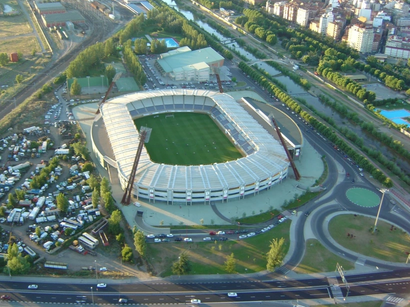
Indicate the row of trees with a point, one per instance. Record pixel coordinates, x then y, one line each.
134 64
398 71
325 130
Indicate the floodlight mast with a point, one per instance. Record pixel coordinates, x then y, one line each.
341 271
115 79
295 170
126 199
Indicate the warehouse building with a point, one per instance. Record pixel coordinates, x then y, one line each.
49 8
183 64
51 20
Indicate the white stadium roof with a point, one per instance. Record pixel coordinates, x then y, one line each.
266 161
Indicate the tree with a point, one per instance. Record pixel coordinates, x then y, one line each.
110 72
95 198
80 150
93 182
33 52
182 266
139 242
38 231
109 48
275 254
19 78
120 238
126 253
62 203
20 194
230 263
3 211
114 222
68 231
88 167
75 88
4 59
104 186
108 202
15 262
12 201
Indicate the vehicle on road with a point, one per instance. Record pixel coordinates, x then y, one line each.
150 236
101 285
32 286
188 239
103 269
251 234
178 239
195 301
207 239
307 213
220 232
170 235
156 240
122 300
243 236
232 294
5 297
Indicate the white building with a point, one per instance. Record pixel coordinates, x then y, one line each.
380 18
361 38
302 17
323 21
397 47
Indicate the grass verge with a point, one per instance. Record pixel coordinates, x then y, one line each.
389 244
318 259
209 257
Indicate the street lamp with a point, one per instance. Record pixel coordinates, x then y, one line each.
380 207
96 269
88 79
92 295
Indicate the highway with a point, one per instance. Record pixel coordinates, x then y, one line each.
208 291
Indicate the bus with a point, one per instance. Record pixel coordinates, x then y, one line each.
67 225
86 242
56 265
91 238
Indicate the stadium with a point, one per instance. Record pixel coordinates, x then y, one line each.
256 162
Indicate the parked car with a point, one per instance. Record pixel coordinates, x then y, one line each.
5 297
207 239
195 301
188 239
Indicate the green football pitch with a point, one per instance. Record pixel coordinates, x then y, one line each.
187 139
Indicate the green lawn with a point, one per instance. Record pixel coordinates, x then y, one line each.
187 139
386 244
318 259
209 257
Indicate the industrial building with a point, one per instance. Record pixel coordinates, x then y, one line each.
183 64
51 20
49 8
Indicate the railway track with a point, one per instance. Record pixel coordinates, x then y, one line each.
99 32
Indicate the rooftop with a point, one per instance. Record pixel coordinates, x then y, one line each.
171 62
64 17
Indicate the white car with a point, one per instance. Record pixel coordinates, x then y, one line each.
103 269
188 239
137 204
243 236
220 232
102 285
195 301
251 234
232 294
170 235
150 236
207 239
32 287
156 240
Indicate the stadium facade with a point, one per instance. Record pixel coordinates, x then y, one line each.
264 163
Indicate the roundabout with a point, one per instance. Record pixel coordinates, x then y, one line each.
363 197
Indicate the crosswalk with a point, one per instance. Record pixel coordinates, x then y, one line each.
394 300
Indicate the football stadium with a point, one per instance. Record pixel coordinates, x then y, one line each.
203 146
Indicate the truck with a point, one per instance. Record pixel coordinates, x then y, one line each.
40 202
34 191
33 214
62 151
24 203
20 166
16 149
